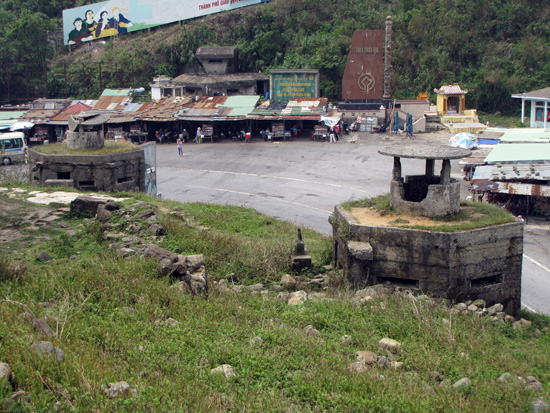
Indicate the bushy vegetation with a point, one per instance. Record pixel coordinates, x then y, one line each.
493 52
107 312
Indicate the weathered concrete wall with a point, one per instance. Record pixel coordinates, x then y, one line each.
110 173
435 199
484 263
85 140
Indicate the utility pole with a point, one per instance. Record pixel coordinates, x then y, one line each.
27 79
65 76
7 71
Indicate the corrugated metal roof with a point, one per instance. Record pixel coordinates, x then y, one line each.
62 118
477 157
542 94
117 92
525 135
166 110
127 116
519 188
450 90
519 152
8 118
513 172
220 108
39 116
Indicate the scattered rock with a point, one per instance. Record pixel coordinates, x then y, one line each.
225 369
254 287
222 286
533 384
494 309
120 389
436 376
509 319
540 405
309 330
462 382
367 357
345 340
40 324
522 324
383 362
169 322
103 215
43 257
297 298
5 372
288 282
358 367
396 365
390 344
255 341
156 230
45 348
85 206
480 303
505 378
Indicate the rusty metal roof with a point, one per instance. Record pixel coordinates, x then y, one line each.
39 116
220 108
295 109
519 188
113 99
166 110
62 118
131 113
513 172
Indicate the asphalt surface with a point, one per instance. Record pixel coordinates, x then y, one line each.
301 182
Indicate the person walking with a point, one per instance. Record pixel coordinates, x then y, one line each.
198 138
180 147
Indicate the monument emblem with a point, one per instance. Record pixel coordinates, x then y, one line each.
366 82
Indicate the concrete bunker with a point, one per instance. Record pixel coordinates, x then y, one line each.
480 263
124 171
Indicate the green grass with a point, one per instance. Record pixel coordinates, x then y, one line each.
105 310
500 120
110 147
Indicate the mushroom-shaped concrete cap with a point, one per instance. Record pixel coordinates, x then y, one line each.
424 151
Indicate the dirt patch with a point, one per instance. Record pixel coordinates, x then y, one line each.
371 216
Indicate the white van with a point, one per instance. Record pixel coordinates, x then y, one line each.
13 147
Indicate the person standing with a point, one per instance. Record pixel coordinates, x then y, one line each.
332 136
180 148
198 138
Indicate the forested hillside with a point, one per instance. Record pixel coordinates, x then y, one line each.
492 48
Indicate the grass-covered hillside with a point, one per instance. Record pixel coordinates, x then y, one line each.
132 337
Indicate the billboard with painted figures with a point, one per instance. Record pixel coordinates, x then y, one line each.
109 18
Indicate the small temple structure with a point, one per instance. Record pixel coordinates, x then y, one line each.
451 108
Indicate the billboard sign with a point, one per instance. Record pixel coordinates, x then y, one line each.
291 84
113 17
364 74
